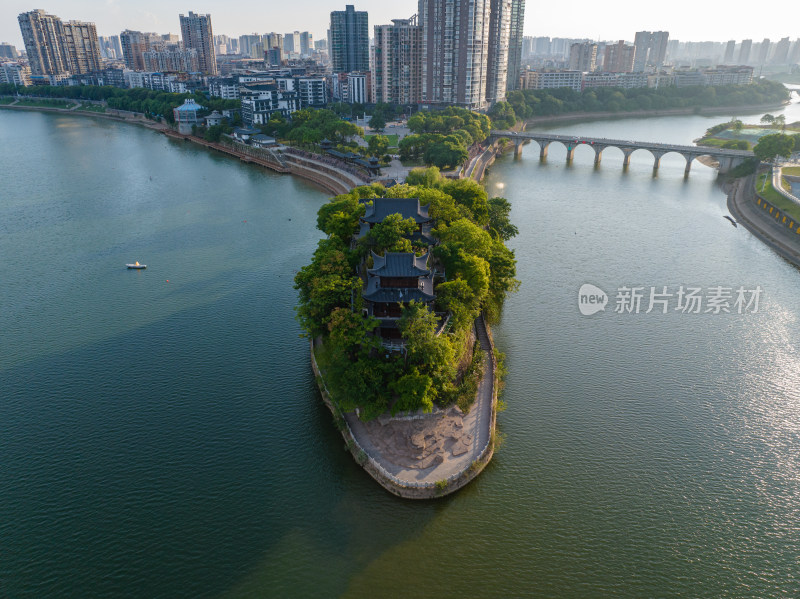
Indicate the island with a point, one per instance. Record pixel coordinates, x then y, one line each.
396 302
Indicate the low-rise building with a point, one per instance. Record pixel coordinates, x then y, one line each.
214 119
263 141
311 91
226 88
729 75
623 80
15 73
552 80
158 81
260 102
186 115
352 88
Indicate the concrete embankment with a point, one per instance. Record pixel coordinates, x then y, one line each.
329 178
764 220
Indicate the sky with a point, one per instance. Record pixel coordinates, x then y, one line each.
686 20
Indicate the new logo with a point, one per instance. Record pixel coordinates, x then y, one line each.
591 299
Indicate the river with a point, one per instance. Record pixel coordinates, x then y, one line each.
161 434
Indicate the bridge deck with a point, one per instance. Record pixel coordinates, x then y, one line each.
573 140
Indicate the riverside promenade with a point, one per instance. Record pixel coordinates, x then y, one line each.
423 456
742 204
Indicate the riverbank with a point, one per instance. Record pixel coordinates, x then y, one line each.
594 116
329 179
742 204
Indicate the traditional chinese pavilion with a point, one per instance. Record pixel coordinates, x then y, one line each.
406 208
396 279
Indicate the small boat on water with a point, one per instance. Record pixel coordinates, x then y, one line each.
137 266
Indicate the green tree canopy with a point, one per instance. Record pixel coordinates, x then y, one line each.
327 283
378 145
771 146
500 220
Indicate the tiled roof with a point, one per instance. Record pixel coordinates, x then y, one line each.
405 207
399 264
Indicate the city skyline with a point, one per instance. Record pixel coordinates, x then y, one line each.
586 19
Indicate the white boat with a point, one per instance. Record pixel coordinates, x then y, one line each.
137 266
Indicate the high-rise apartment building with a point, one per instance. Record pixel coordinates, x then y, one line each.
197 33
349 40
744 51
43 35
763 51
515 44
56 48
245 41
619 57
455 40
730 48
497 56
83 47
781 55
398 62
794 54
583 57
291 42
651 49
134 45
306 43
8 51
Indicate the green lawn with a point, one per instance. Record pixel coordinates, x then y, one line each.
92 107
394 139
46 102
717 142
791 170
6 100
765 189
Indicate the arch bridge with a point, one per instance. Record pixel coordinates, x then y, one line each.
727 159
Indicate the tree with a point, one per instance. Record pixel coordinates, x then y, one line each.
390 235
471 195
458 298
426 177
736 144
340 216
327 283
737 125
414 391
502 115
378 145
214 133
377 122
771 146
426 353
767 119
499 219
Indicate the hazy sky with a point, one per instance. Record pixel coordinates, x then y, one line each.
686 20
